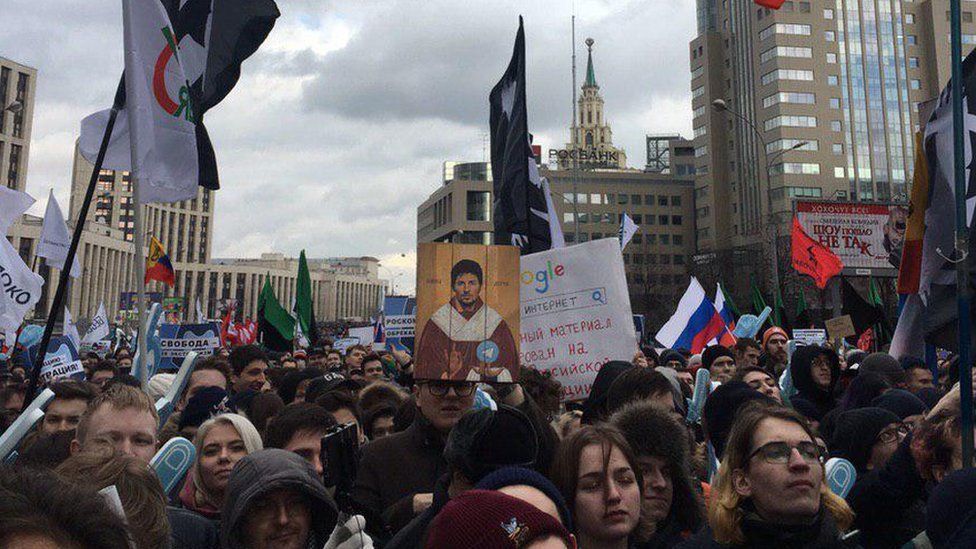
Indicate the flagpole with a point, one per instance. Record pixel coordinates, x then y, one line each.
574 143
59 294
962 239
139 271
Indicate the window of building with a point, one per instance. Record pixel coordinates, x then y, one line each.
652 239
828 13
676 220
910 39
831 80
665 259
677 240
623 199
829 36
635 199
795 168
784 28
666 239
793 144
910 18
698 112
837 148
638 218
834 102
698 92
915 84
839 172
700 131
697 71
789 97
662 200
835 125
804 192
567 217
787 74
479 206
701 151
785 51
791 121
913 62
662 220
831 58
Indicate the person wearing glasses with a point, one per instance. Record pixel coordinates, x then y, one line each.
867 437
397 474
770 490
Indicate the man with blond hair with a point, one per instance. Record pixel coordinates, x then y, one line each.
122 417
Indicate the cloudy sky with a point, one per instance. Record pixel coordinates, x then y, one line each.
339 125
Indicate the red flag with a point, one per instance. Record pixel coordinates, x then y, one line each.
771 4
813 258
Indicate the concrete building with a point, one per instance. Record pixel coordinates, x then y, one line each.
17 88
821 104
661 202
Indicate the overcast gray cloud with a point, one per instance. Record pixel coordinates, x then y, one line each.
340 123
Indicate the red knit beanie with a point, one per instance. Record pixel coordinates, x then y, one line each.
484 519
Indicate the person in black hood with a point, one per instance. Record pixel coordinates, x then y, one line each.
673 359
866 437
815 371
267 486
595 406
721 408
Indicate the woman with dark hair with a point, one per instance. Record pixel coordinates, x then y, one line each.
771 490
600 479
672 508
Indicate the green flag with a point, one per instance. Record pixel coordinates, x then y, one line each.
779 311
729 303
277 327
303 295
758 303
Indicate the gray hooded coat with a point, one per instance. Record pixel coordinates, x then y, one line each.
263 472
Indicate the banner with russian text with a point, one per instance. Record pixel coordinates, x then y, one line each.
176 340
61 361
866 237
400 313
575 313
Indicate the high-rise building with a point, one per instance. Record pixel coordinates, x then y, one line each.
17 86
814 101
660 201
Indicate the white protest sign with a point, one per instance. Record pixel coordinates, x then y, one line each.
62 362
398 326
343 344
810 336
364 334
575 313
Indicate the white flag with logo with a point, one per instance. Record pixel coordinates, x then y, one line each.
158 109
55 238
12 205
98 329
201 318
70 330
20 289
627 230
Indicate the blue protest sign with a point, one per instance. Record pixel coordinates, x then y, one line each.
400 316
61 361
176 340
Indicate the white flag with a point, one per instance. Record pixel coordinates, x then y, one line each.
98 330
70 330
20 289
555 227
627 230
12 205
55 238
158 120
201 318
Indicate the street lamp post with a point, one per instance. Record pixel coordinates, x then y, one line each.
771 229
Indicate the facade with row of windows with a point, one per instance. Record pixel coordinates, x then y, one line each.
17 88
822 103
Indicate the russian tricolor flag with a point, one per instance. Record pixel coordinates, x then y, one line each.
694 323
726 339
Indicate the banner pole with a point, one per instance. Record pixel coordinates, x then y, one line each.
59 294
962 239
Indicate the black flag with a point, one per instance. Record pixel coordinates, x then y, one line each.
519 209
214 37
864 315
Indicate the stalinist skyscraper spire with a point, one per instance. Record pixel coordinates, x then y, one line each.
592 135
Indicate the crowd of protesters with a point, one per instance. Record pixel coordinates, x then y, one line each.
446 464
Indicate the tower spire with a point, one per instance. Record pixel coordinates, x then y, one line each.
590 75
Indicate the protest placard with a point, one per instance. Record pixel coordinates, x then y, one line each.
840 327
363 334
61 361
810 336
344 343
575 313
176 340
467 312
400 320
